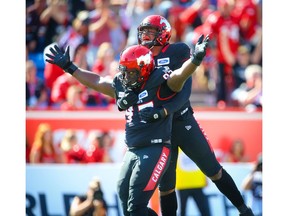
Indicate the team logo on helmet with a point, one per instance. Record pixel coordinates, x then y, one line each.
166 24
146 59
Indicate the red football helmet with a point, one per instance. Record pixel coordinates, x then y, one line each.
135 64
162 26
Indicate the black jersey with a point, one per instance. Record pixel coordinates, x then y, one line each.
154 93
173 56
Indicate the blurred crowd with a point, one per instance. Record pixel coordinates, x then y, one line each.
71 146
98 30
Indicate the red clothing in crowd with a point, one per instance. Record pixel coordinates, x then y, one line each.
75 155
47 157
60 87
228 26
65 106
51 73
95 155
245 12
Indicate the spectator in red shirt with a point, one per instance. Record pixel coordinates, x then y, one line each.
72 150
102 22
60 87
105 65
51 72
74 99
96 151
236 152
43 149
192 15
247 14
226 34
105 59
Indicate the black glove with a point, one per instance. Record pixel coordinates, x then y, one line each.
200 50
61 59
150 114
129 99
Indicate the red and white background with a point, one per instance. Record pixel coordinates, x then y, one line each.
49 188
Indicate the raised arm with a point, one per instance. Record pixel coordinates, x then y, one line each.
179 76
87 78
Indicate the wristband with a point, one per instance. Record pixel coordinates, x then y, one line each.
163 113
195 61
71 69
160 114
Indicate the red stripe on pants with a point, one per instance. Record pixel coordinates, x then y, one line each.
158 169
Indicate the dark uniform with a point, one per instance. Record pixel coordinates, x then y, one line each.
148 153
190 137
186 133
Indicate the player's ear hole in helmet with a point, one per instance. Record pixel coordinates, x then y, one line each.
136 64
162 27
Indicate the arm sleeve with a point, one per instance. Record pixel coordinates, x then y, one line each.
182 97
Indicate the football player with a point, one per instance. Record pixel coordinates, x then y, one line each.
154 32
138 85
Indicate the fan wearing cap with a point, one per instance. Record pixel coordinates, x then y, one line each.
147 138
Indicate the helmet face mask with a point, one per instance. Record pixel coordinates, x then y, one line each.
129 78
136 64
162 27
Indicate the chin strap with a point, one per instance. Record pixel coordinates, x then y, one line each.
150 44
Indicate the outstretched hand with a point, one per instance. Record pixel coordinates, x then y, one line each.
200 50
61 59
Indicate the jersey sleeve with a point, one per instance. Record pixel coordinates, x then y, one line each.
158 77
183 53
116 84
179 99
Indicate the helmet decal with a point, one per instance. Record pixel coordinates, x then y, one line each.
166 23
146 59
